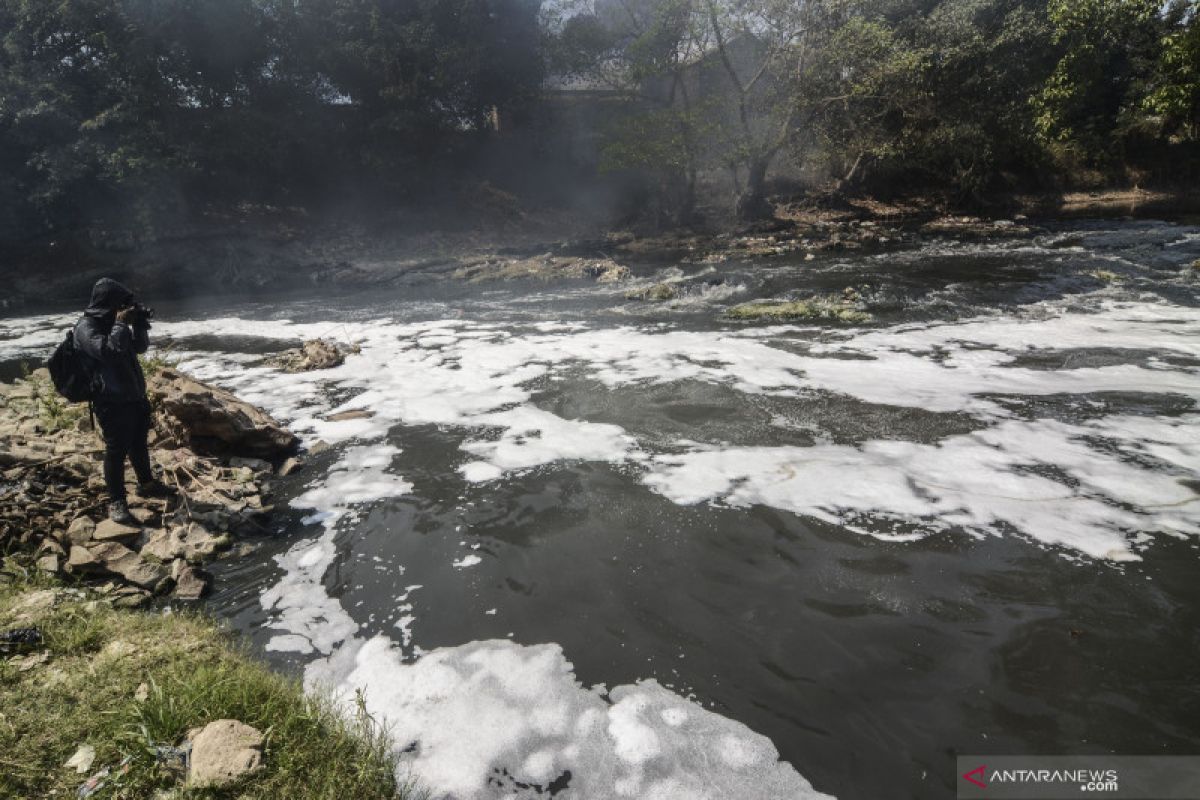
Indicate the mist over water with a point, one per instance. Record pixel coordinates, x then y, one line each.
968 526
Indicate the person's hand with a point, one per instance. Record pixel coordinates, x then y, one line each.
126 315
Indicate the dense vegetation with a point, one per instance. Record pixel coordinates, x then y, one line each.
141 109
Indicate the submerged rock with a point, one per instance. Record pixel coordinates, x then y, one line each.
659 292
545 267
314 354
841 310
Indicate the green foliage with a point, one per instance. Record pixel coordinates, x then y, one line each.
1097 89
112 110
1175 94
53 412
153 364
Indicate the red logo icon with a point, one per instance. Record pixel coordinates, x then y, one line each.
978 781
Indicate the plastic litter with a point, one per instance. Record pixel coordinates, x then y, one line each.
17 639
100 779
173 759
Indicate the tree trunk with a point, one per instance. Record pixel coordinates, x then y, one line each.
752 202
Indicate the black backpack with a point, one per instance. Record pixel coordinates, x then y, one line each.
69 371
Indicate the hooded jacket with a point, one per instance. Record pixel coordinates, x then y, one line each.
112 347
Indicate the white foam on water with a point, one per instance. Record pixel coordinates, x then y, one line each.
470 714
315 622
987 482
532 437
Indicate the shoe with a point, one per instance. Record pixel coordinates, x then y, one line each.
119 512
156 488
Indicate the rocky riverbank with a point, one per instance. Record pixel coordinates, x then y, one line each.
219 453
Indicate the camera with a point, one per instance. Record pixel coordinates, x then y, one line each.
142 314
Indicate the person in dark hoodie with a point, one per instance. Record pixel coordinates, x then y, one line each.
111 334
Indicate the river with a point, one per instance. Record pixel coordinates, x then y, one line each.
599 547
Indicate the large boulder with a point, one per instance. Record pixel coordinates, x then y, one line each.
213 420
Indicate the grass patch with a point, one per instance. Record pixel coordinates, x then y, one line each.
814 308
162 359
189 672
51 408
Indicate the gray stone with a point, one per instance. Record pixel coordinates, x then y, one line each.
163 545
190 583
289 466
48 563
82 560
198 542
223 752
109 531
120 560
143 515
81 530
254 464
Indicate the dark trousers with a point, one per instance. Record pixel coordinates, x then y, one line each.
125 427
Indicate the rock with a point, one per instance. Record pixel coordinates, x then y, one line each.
120 560
606 271
81 560
289 466
199 543
342 416
253 464
190 583
163 545
212 419
109 531
659 292
51 547
81 530
142 693
313 354
318 447
142 515
129 597
224 751
48 563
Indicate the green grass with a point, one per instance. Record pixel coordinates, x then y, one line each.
162 359
52 410
192 672
815 308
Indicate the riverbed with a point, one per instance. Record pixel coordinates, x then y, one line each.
599 547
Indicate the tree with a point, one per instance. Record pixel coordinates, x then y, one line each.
1109 49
